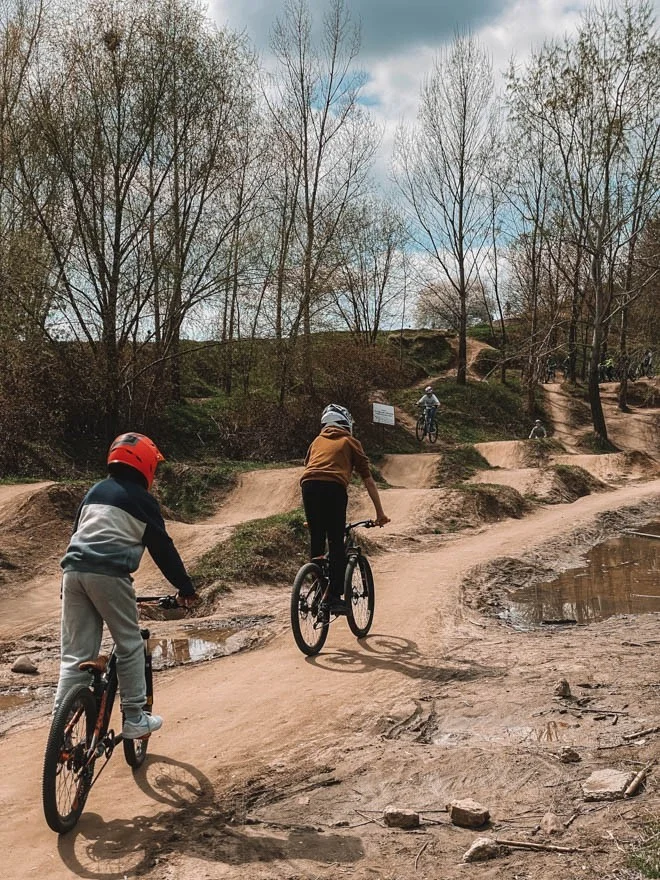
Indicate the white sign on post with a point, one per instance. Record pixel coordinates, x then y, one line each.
383 414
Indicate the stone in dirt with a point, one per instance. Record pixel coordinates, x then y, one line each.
483 848
395 817
552 824
606 785
567 755
25 665
468 813
562 688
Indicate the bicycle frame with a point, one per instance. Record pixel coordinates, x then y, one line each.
350 547
104 687
80 734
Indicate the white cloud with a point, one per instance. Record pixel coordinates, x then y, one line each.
513 29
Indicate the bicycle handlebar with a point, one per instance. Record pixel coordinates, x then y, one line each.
367 523
162 601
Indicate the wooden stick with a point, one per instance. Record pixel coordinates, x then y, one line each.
370 818
547 847
641 534
597 711
420 852
648 730
637 781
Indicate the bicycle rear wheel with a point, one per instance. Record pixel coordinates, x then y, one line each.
67 774
135 750
360 595
433 432
309 630
420 428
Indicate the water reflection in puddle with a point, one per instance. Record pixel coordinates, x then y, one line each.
204 643
12 701
198 645
621 577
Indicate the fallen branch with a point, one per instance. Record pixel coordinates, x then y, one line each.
596 711
546 847
370 818
637 781
420 853
646 732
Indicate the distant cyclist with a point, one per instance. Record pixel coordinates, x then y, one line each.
430 403
647 364
538 431
329 464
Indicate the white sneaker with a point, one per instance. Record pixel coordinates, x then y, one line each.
144 726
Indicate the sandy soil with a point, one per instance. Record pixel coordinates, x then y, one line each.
410 471
271 765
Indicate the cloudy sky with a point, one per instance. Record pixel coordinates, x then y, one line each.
401 37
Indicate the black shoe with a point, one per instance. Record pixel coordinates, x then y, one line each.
338 607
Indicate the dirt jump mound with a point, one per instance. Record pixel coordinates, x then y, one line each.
38 525
472 506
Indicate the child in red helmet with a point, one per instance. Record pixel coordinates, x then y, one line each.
116 520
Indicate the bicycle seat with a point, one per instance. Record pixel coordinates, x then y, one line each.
99 665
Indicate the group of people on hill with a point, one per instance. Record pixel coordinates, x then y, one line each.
609 369
119 517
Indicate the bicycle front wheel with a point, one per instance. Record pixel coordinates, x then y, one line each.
420 428
360 595
309 629
68 774
433 431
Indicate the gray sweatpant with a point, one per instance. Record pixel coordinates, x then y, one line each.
87 600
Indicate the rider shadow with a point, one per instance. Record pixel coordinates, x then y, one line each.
126 848
396 654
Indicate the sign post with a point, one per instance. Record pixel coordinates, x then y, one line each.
383 415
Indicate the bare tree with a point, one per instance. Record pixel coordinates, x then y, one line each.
369 279
24 263
314 102
442 169
591 95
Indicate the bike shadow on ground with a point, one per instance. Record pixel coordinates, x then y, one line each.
193 824
380 651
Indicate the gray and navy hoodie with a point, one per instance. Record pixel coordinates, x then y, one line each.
116 520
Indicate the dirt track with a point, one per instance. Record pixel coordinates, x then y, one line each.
273 766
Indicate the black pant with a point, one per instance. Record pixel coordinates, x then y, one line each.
325 509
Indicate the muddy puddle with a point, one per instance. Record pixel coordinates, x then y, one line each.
13 700
621 576
205 643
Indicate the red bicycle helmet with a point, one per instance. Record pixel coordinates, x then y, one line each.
138 452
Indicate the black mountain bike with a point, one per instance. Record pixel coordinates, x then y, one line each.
426 426
80 734
311 587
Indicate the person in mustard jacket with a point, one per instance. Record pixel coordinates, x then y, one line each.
329 464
